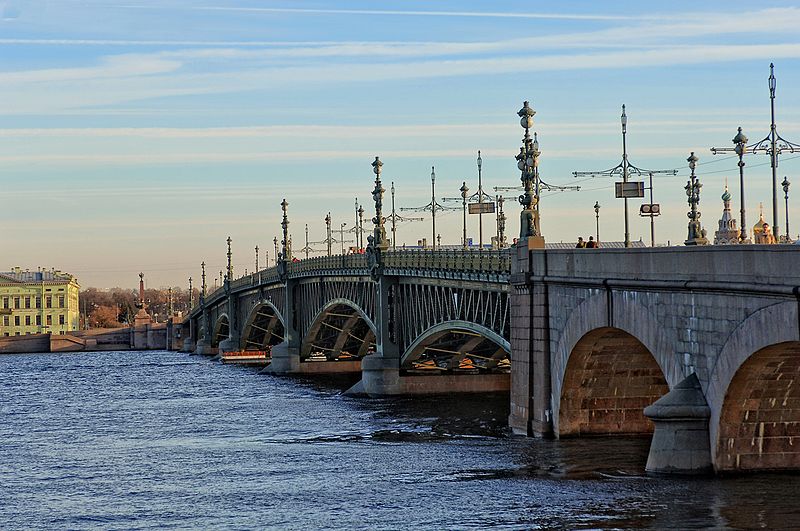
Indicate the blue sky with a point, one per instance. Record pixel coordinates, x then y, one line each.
138 135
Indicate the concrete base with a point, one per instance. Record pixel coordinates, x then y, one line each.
381 377
231 344
680 442
285 360
329 367
203 348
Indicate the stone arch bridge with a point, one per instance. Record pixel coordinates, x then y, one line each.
700 346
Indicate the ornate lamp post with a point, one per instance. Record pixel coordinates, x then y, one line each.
191 295
341 235
527 162
361 226
230 264
203 285
696 234
501 223
275 243
785 185
256 259
464 191
286 246
597 222
433 206
740 142
379 240
328 240
480 202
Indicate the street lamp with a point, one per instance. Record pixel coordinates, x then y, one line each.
256 258
230 264
696 234
597 222
527 160
191 295
464 191
785 185
740 142
275 243
328 240
361 226
341 235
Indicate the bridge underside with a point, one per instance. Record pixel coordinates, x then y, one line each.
609 380
221 331
264 330
340 333
456 351
760 422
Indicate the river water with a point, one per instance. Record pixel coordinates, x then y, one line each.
143 440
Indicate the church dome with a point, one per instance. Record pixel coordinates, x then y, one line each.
759 226
726 196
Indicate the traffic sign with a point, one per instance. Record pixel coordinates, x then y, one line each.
481 208
629 189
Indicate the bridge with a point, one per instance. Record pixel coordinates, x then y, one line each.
699 345
443 312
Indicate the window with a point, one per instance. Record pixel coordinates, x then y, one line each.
16 302
61 319
27 302
5 302
49 320
7 334
5 321
48 301
38 320
27 320
16 320
38 302
60 301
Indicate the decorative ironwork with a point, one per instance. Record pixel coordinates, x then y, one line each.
625 169
697 234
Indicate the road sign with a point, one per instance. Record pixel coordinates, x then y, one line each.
629 189
481 208
649 209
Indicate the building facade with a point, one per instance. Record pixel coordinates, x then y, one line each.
38 302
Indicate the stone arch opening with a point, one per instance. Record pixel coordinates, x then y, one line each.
340 331
759 426
458 346
609 379
221 330
263 329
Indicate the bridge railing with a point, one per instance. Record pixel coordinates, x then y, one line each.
493 262
322 263
264 276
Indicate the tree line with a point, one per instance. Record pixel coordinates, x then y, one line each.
115 307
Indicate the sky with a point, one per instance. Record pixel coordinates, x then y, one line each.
138 135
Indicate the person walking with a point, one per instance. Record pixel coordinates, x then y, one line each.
581 243
591 244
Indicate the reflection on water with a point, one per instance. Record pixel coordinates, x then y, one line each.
158 439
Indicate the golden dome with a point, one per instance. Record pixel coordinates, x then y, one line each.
759 226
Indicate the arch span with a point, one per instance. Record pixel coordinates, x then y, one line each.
221 330
759 425
340 330
456 343
264 327
609 379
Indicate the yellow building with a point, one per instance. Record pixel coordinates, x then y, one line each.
38 302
